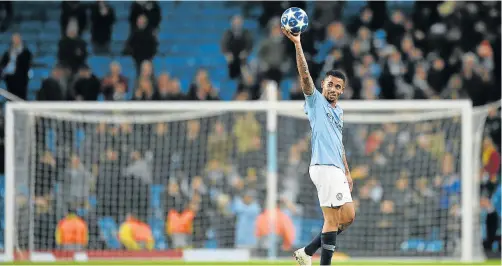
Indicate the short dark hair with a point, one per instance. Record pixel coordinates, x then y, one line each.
337 74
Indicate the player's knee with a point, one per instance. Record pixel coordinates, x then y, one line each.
348 214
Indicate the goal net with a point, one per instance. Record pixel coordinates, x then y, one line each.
202 177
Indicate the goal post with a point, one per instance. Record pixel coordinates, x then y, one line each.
275 125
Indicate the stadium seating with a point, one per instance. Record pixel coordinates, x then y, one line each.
185 45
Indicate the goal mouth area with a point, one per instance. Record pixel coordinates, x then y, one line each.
279 123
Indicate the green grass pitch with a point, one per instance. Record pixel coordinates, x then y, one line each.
264 262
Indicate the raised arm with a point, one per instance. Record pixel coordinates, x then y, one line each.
303 70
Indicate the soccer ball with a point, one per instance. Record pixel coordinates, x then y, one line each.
295 20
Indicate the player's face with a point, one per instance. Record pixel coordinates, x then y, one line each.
332 88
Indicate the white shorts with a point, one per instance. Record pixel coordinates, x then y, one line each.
332 186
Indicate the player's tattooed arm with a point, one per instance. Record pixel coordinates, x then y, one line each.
306 80
303 69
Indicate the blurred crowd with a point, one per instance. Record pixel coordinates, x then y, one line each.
210 172
435 51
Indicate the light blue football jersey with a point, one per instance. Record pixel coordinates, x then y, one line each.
326 124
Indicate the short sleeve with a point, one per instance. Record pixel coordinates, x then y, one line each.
310 101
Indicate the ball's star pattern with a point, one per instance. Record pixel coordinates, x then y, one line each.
294 20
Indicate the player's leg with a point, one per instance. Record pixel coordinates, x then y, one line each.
346 216
329 233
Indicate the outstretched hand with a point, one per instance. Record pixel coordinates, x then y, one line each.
294 38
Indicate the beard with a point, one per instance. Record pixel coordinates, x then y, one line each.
332 98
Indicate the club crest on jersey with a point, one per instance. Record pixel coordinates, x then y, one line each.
339 196
336 123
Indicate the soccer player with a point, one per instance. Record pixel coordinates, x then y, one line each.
328 169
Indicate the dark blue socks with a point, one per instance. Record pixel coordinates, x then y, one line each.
328 243
313 246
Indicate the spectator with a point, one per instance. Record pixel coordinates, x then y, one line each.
365 40
109 181
437 76
142 44
86 86
224 222
115 86
454 89
389 216
77 184
492 126
52 87
145 90
218 146
72 232
296 92
173 198
135 234
247 210
370 90
219 176
73 12
44 180
201 221
422 89
351 58
492 222
46 221
335 38
290 185
247 130
149 9
364 20
272 54
194 187
179 225
194 143
491 165
471 80
325 12
146 72
284 228
72 52
401 195
161 145
334 59
202 89
168 89
395 28
392 79
236 45
102 18
15 64
7 15
137 178
248 84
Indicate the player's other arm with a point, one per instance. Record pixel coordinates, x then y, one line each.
303 70
347 170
